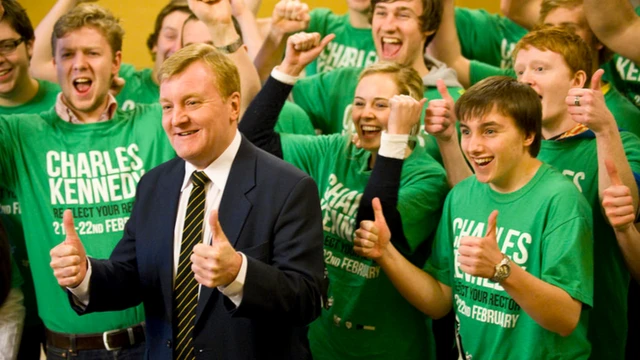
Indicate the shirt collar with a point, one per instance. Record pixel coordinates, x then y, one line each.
65 113
218 170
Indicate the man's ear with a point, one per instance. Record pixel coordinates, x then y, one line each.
579 79
29 45
528 138
117 61
233 101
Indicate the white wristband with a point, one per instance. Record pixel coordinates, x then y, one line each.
284 78
393 145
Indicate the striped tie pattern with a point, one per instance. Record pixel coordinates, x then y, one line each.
186 287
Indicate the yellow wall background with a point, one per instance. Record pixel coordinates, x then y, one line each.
138 17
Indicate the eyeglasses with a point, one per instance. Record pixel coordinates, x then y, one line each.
8 46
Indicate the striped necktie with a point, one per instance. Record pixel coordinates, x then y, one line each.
186 287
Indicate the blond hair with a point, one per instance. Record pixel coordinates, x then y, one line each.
93 16
226 73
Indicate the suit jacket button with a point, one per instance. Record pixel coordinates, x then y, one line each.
169 344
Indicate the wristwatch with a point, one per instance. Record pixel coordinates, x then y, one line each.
503 270
231 48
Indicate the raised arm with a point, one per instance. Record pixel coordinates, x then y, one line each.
446 46
262 114
439 122
216 14
522 12
587 106
422 290
615 24
41 65
618 206
288 17
241 10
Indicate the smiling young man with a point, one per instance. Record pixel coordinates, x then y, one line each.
520 282
401 29
566 13
580 133
85 155
140 86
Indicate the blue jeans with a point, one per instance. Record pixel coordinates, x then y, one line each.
135 352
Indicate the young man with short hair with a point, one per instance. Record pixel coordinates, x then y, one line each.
568 13
580 133
520 282
21 93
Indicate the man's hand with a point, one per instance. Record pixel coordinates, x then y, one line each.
404 114
617 201
290 16
212 12
587 106
117 84
373 237
217 264
440 117
478 256
302 48
69 259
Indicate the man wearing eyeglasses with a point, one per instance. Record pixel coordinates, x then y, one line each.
20 93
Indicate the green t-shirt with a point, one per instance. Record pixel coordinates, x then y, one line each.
577 159
16 279
139 87
351 48
545 228
623 111
489 38
368 318
624 74
92 169
327 98
293 120
44 100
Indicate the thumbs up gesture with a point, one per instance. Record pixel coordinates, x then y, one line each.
587 106
616 201
217 264
440 117
478 256
69 259
373 237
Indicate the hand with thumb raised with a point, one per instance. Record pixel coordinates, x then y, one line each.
440 117
69 259
217 264
373 237
478 256
617 201
588 107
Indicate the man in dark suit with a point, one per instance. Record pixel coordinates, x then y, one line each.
242 285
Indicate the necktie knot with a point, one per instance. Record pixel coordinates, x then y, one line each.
199 178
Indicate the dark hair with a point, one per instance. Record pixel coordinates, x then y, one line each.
17 17
5 266
172 6
508 97
429 19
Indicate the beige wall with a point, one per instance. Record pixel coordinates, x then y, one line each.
138 17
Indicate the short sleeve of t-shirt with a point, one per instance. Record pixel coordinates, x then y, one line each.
305 152
8 136
566 264
479 71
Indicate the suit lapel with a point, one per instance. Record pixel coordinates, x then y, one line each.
234 205
169 186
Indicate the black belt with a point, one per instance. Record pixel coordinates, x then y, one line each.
109 340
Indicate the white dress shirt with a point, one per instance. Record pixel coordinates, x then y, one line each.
218 173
